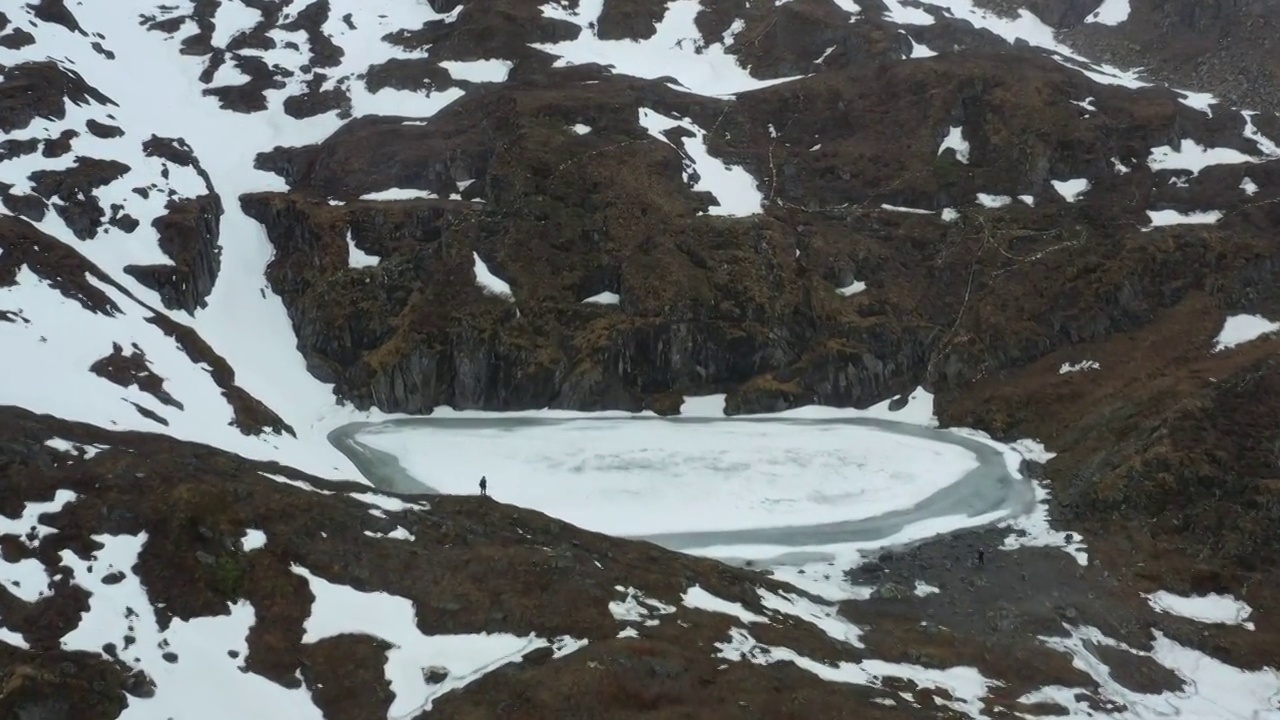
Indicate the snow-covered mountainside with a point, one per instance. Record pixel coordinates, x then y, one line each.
231 228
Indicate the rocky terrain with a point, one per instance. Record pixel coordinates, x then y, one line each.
224 223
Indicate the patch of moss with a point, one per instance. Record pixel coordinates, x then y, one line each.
229 573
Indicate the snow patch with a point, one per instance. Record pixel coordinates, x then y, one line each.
478 71
1110 12
393 619
253 540
604 298
852 288
699 599
735 190
489 283
1212 608
1082 366
676 50
955 142
1191 155
1071 190
357 258
636 608
1163 218
1240 329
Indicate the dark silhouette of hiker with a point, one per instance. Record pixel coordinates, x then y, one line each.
484 486
982 558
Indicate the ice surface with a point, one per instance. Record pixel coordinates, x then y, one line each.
639 477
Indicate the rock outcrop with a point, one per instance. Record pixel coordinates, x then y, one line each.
954 291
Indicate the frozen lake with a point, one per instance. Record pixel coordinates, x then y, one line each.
753 487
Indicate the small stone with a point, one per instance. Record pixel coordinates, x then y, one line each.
170 657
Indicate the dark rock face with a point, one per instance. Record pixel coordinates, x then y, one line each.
747 305
41 89
188 234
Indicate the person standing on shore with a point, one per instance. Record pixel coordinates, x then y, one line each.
484 486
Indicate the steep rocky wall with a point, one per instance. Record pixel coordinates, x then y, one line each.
749 305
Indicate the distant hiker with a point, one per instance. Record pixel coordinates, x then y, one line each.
982 558
484 486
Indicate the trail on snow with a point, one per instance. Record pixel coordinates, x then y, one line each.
990 489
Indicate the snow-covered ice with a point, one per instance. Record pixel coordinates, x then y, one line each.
634 476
